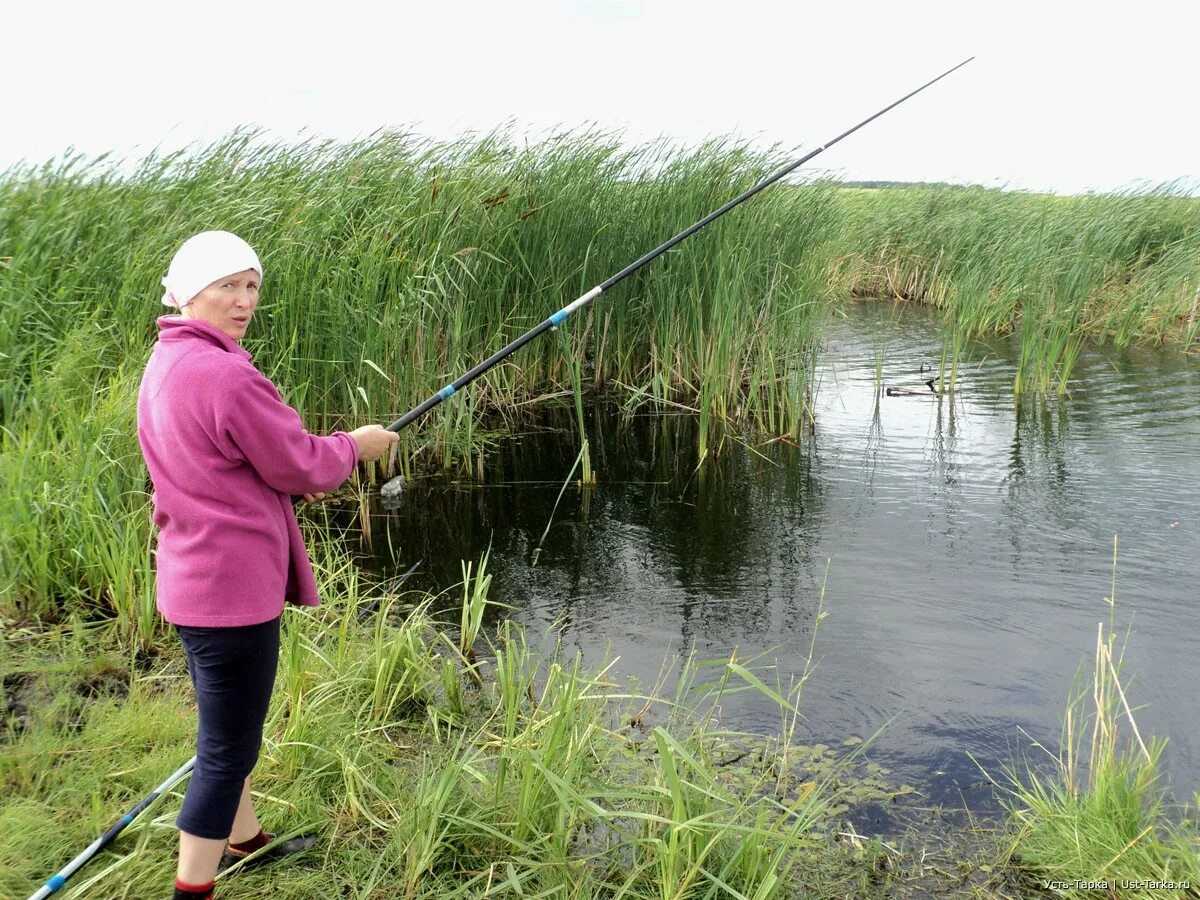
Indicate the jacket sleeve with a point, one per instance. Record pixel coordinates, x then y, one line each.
255 426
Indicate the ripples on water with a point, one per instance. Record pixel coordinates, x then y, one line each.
969 545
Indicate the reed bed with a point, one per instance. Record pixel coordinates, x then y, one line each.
396 263
1055 270
392 266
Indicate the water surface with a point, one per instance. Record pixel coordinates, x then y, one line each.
964 549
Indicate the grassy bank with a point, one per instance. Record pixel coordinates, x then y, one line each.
430 769
454 759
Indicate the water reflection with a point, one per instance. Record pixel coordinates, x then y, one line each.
969 543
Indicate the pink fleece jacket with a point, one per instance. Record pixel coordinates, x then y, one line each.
225 455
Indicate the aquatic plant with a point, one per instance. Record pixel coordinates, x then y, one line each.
1057 270
1098 816
392 265
396 263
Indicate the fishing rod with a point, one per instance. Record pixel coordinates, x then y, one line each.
391 490
55 883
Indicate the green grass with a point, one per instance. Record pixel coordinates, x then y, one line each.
392 266
1056 270
437 764
395 264
1097 813
538 779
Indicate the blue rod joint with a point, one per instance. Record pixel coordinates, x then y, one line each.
55 883
559 317
446 392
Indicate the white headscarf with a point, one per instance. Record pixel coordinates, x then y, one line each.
203 259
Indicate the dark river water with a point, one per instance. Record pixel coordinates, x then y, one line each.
965 548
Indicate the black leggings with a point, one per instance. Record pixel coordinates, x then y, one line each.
233 671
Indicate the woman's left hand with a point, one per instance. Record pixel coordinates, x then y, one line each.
314 498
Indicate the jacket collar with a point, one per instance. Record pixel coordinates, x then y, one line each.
173 329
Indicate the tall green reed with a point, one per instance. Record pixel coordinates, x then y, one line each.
395 263
1054 269
392 266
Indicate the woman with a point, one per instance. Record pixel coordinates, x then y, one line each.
225 455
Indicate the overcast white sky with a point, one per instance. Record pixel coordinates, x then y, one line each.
1061 96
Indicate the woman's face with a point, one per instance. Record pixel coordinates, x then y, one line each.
227 303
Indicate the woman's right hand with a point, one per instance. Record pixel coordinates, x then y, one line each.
373 441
